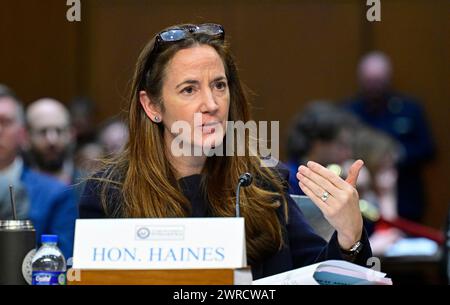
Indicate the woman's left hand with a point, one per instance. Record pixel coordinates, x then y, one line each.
338 199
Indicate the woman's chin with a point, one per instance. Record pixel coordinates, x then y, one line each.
210 143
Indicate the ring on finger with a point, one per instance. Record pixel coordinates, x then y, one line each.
325 196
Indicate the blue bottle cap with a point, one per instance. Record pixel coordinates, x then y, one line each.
49 239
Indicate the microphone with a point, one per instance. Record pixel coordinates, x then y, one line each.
244 181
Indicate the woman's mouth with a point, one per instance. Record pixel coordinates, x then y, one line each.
209 128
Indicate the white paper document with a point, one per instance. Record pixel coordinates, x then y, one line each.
331 272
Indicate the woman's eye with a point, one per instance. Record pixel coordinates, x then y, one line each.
221 85
188 90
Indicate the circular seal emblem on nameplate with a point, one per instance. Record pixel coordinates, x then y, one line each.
143 233
62 279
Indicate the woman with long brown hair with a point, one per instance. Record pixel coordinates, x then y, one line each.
187 71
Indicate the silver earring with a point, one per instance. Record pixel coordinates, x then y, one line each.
156 119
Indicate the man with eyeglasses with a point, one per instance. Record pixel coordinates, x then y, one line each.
51 140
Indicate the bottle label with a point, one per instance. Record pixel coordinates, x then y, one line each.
49 278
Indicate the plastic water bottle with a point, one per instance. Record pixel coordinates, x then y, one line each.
49 264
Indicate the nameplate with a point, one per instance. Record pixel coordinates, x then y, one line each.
160 243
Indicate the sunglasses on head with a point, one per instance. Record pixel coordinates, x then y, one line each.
177 34
180 33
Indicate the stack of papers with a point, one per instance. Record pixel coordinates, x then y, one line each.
331 272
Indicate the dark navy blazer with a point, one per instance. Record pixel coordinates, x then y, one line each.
302 246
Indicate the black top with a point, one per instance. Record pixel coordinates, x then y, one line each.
302 245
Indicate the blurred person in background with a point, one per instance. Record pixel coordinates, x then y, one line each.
82 114
390 232
321 133
48 203
403 118
113 137
380 153
88 157
379 190
88 150
51 142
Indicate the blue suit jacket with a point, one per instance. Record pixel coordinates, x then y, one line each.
53 208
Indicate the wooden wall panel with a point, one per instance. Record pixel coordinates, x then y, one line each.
39 49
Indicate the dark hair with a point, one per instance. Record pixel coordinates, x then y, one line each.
320 121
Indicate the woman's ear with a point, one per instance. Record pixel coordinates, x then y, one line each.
152 110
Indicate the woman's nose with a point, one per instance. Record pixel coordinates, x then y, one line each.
209 103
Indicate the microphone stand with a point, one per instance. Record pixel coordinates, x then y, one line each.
244 180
